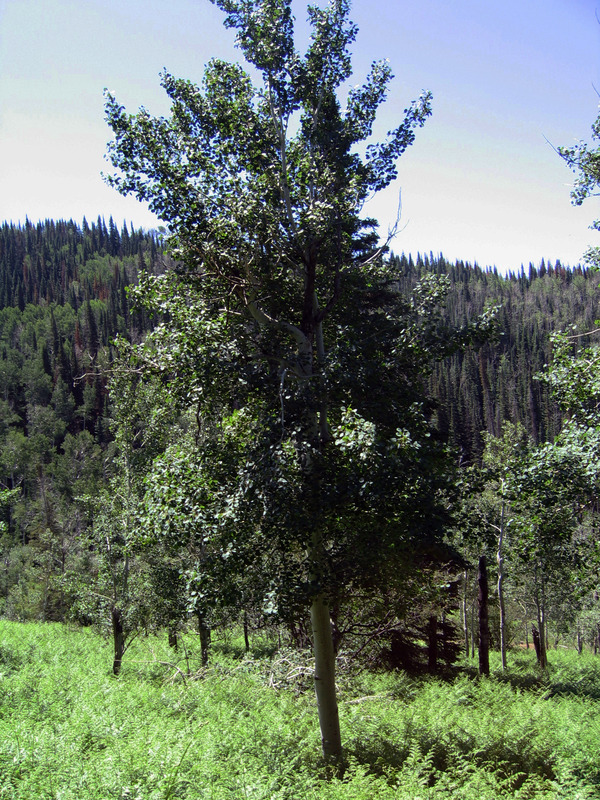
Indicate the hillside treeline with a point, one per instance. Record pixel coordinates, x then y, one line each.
64 299
481 388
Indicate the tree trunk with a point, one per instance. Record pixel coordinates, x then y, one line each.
465 612
484 625
173 638
118 638
539 637
541 618
535 635
500 558
320 613
324 654
473 629
432 629
331 740
246 637
543 639
204 631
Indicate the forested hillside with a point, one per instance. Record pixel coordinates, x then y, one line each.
480 388
64 300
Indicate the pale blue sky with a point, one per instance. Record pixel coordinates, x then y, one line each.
481 182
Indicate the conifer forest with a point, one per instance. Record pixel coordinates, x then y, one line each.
259 458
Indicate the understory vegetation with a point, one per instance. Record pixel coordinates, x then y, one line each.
243 727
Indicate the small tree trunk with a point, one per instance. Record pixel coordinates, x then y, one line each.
501 590
542 657
118 638
331 740
539 637
465 612
473 630
204 631
246 637
535 635
579 640
484 626
173 642
432 629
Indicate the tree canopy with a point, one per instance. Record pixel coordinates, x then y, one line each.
298 326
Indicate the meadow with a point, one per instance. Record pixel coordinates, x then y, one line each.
246 726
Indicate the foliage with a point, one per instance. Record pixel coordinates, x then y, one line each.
263 186
584 160
567 470
573 377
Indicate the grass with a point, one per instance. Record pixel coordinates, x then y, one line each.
246 727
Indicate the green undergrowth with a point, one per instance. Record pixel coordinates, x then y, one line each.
246 727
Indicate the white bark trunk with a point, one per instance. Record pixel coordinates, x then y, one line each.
465 612
329 722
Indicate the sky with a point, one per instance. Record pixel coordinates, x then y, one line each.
511 81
